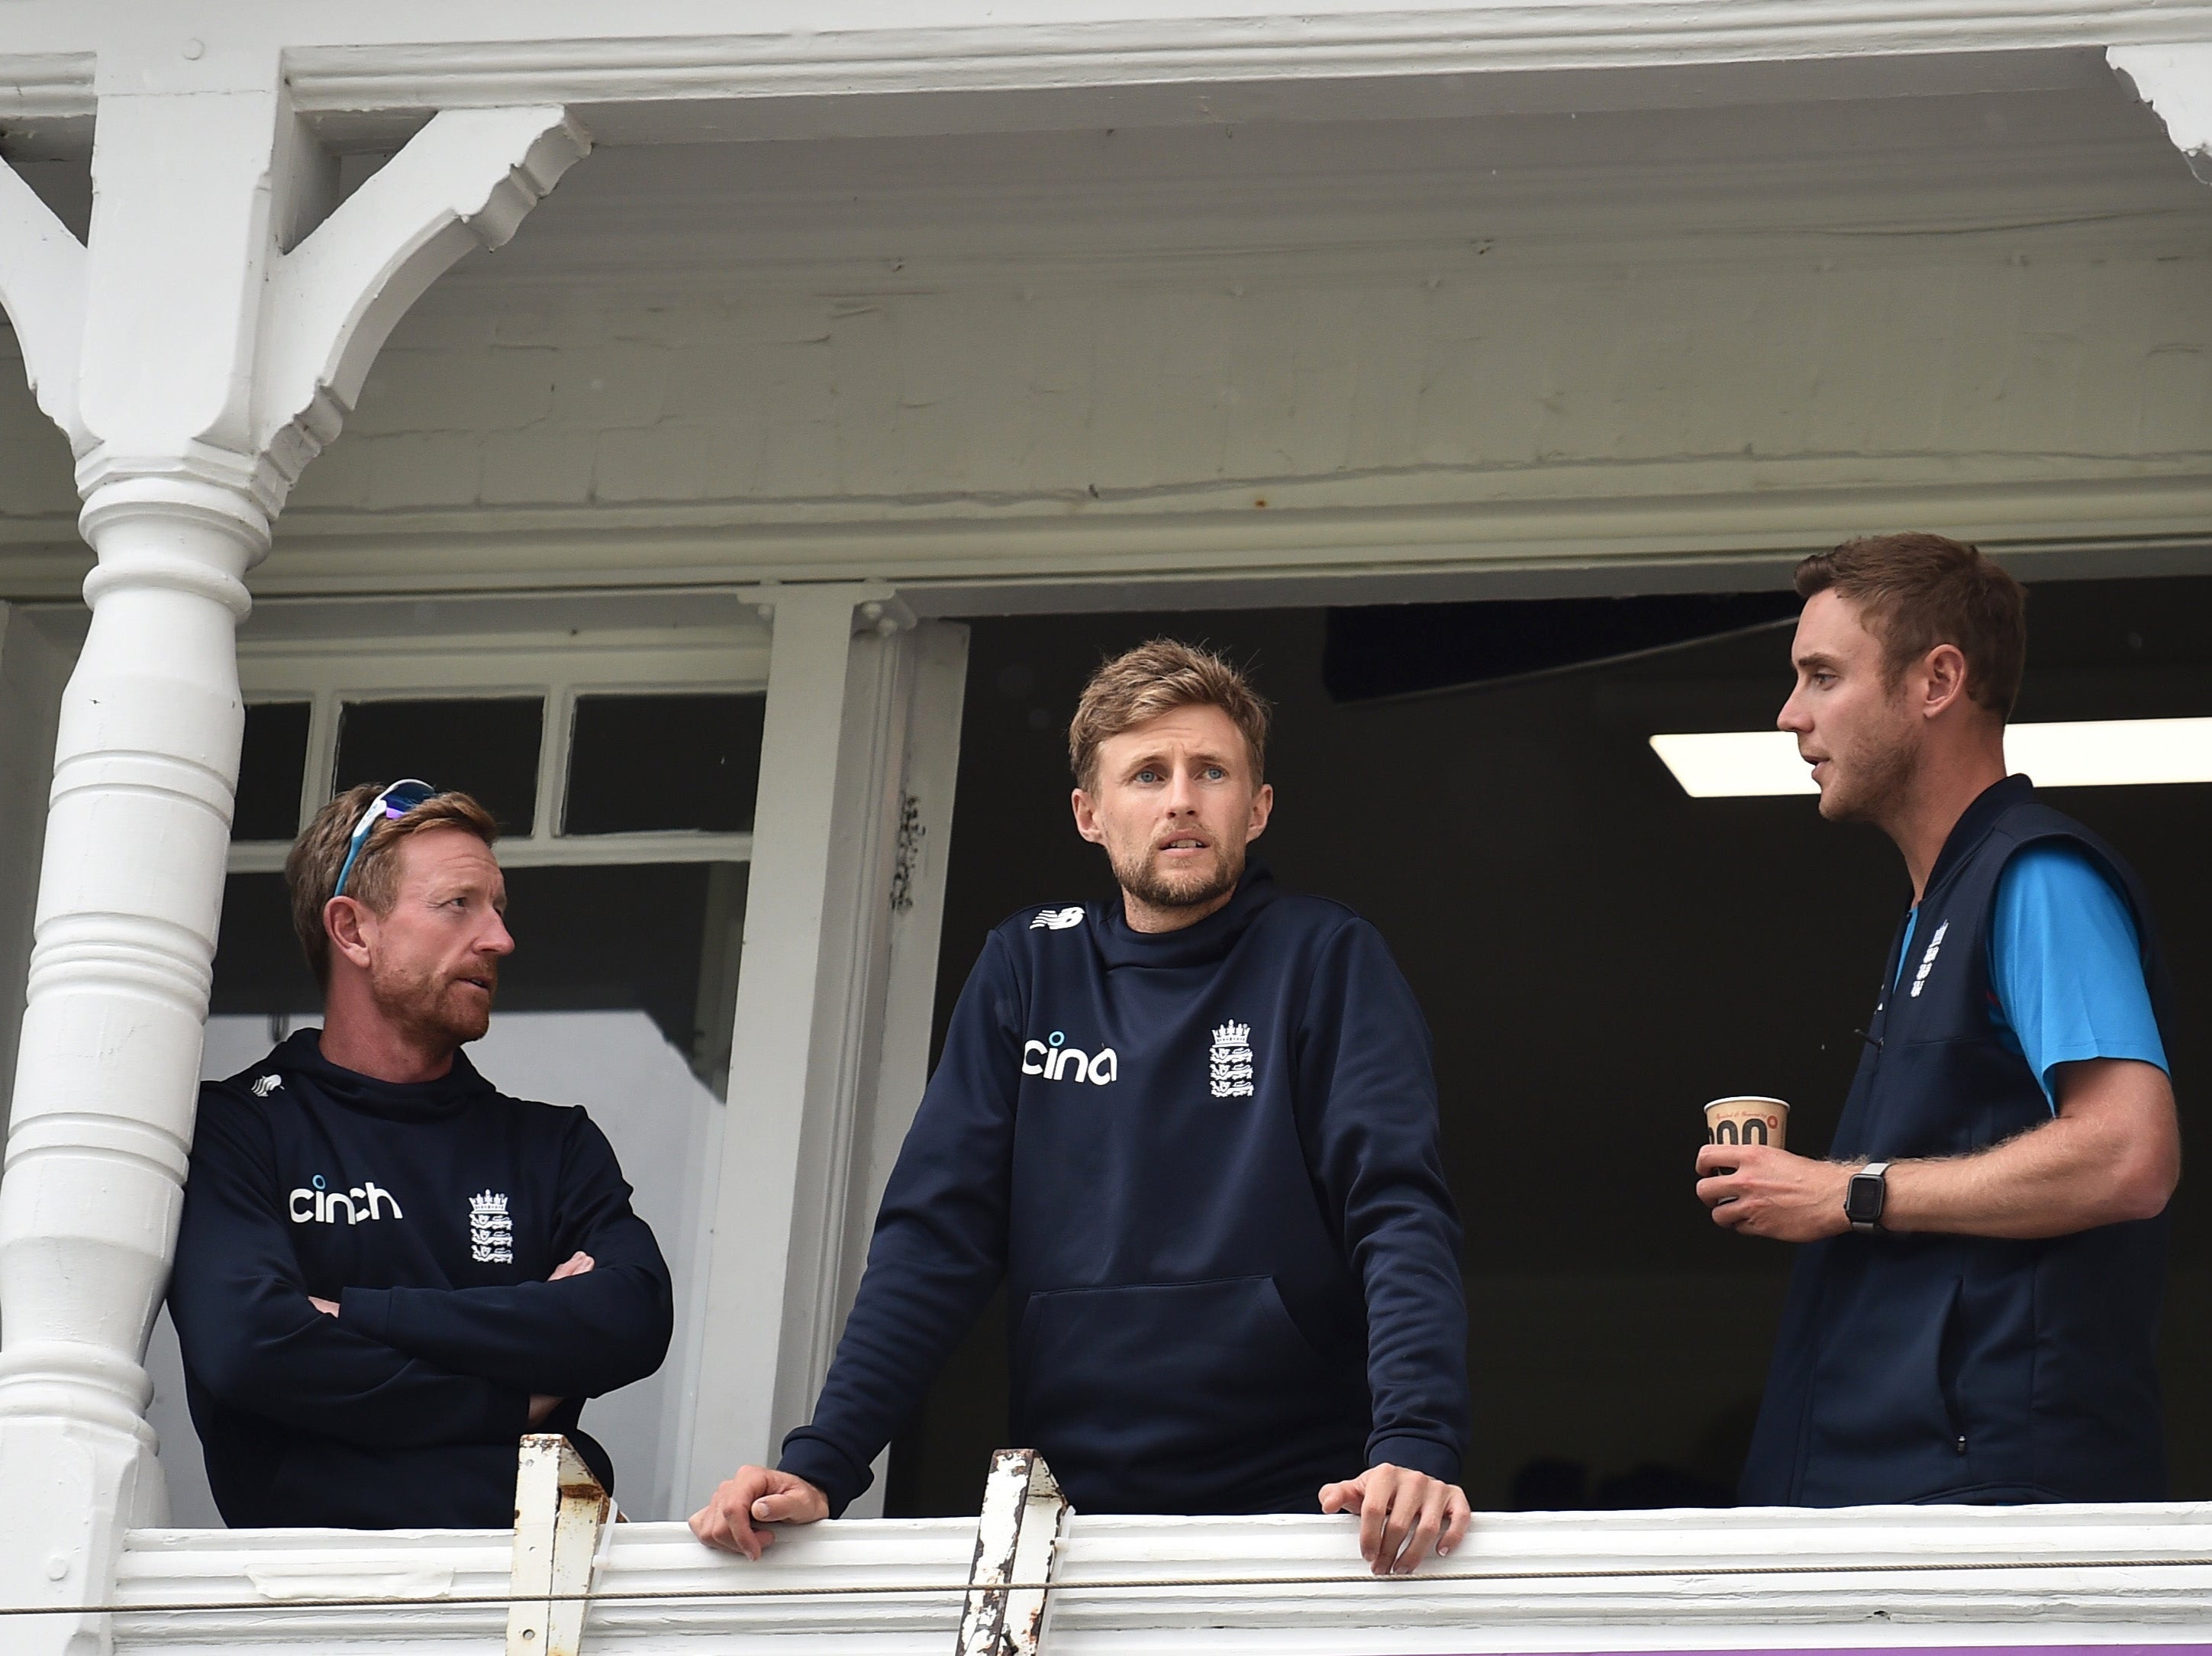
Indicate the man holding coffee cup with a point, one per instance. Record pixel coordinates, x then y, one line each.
1973 1314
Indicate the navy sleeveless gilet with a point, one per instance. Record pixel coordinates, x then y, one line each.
1950 1368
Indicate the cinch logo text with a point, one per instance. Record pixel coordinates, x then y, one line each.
319 1206
1056 1060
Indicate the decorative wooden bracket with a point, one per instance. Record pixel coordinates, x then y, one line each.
559 1513
1016 1544
2176 82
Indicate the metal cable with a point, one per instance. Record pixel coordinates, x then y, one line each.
917 1589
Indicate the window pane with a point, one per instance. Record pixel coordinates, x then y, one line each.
270 770
483 746
642 762
259 967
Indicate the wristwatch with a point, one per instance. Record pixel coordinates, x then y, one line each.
1866 1194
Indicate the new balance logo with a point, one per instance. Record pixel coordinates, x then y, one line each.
1229 1065
1057 919
491 1231
314 1204
266 1084
1927 960
1056 1060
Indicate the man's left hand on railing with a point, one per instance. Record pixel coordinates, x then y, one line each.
1404 1515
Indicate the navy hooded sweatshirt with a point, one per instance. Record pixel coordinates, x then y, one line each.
432 1214
1925 1366
1205 1165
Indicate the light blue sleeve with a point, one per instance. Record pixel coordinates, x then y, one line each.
2066 966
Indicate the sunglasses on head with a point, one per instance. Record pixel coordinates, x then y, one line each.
393 803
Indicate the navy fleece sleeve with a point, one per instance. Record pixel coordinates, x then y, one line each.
250 1336
578 1337
940 1242
1367 1100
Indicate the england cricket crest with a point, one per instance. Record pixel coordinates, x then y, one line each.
491 1231
1229 1065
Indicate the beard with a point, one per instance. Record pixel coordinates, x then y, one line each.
1874 776
430 1007
1189 888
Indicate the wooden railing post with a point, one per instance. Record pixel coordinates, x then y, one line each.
1017 1545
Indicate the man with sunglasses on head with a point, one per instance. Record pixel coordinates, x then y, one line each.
388 1271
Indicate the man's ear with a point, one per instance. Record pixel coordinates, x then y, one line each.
1263 806
347 921
1946 667
1086 817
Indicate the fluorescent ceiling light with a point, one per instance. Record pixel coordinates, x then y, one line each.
2087 753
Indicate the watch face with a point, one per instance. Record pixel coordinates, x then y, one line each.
1862 1198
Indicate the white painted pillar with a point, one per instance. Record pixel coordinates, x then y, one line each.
196 359
830 967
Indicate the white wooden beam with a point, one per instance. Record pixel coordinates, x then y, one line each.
809 1029
980 65
923 856
42 290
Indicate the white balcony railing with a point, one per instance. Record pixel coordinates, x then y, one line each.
1744 1579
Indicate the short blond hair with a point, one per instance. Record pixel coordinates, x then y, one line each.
311 869
1156 678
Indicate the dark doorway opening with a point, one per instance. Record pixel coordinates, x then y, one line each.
1597 954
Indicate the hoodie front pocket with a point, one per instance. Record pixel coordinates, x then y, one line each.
1202 1372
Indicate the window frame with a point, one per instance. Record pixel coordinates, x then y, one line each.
558 666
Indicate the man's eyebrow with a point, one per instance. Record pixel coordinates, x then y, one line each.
441 889
1198 756
1814 658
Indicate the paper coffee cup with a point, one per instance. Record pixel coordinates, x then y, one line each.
1748 1121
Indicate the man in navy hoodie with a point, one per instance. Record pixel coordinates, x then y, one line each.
1193 1132
387 1270
1974 1316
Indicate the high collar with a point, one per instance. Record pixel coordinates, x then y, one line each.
300 1053
1122 945
1974 823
